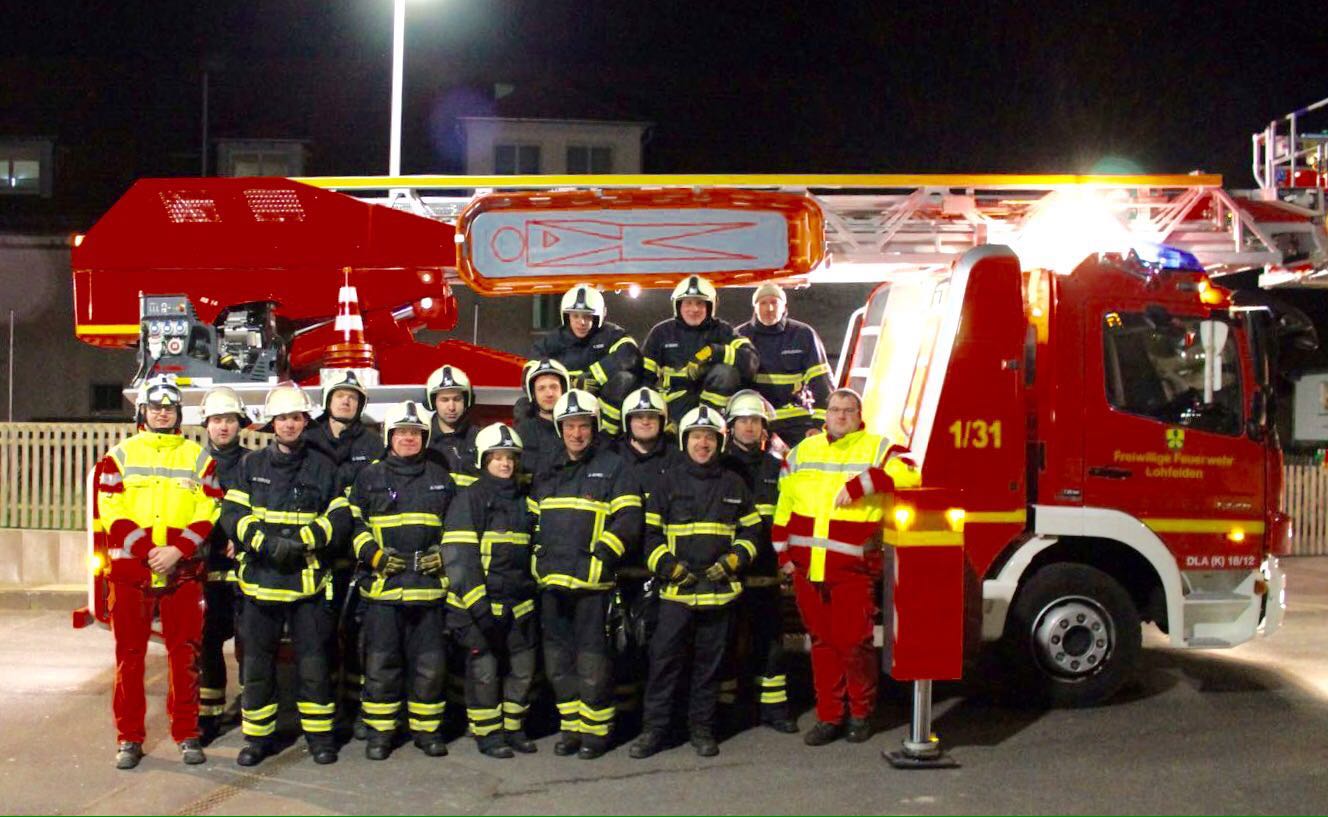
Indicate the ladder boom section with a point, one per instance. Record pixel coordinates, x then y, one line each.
885 224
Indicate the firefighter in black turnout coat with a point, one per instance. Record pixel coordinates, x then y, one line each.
700 535
399 505
492 597
451 435
589 511
223 419
600 357
755 454
286 520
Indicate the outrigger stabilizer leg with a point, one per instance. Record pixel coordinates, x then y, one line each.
922 749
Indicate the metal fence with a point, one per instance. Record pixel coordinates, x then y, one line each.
43 470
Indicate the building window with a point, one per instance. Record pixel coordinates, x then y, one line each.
516 160
25 168
544 312
588 159
257 163
257 157
108 399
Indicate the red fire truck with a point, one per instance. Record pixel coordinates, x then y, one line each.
1089 410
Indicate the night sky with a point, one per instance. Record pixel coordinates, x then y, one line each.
729 86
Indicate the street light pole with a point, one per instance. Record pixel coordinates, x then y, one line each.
398 63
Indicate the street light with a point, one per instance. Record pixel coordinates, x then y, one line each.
398 63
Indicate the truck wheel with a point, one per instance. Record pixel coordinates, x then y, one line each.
1072 637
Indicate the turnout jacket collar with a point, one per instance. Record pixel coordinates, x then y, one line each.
776 328
404 466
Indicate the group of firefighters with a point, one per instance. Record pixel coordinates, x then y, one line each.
675 486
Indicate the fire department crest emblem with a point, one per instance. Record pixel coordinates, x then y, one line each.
1175 438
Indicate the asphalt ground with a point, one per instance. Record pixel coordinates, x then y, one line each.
1242 731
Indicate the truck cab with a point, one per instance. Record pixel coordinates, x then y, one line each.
1104 437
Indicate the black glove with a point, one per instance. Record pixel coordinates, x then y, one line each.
680 575
389 562
724 568
430 562
286 553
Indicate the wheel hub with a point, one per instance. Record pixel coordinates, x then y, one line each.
1072 637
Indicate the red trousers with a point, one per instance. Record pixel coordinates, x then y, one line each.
840 614
181 610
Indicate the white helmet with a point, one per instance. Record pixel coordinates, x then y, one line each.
584 298
535 368
448 377
163 390
694 286
701 417
222 400
496 437
286 398
575 403
645 400
750 403
344 379
407 414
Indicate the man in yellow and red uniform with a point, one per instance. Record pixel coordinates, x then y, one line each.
157 497
834 492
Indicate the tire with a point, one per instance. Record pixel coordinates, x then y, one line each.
1072 638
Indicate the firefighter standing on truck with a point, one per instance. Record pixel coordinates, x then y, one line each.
399 505
492 597
589 518
544 381
701 529
833 495
452 436
694 357
223 418
286 518
600 357
756 455
794 375
157 496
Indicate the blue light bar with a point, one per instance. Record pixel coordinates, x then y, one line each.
1160 256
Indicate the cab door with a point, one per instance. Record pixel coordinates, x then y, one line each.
1165 431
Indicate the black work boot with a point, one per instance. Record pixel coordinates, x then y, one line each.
703 741
593 747
823 733
209 728
495 745
252 753
785 725
650 742
432 744
324 752
128 754
568 744
377 747
519 741
191 752
859 730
